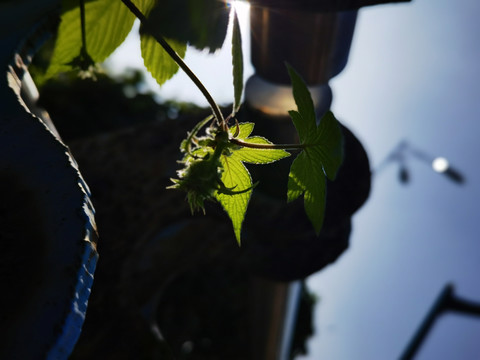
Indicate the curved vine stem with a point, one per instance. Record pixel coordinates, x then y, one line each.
175 57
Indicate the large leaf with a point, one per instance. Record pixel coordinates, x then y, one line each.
107 23
235 175
322 154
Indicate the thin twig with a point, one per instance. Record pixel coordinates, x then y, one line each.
173 54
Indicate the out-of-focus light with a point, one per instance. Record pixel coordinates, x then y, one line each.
440 164
277 100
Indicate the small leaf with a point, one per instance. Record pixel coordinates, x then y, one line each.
237 62
244 130
236 176
186 144
107 23
330 144
255 156
306 177
322 155
156 59
301 124
304 103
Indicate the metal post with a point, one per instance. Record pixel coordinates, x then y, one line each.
446 301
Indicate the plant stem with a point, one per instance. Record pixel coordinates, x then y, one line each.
82 25
175 57
268 146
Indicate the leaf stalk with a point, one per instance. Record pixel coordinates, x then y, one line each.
175 57
268 146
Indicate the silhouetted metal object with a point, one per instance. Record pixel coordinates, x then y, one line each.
454 175
316 44
314 37
446 301
47 233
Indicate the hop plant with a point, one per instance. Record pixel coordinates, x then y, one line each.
213 165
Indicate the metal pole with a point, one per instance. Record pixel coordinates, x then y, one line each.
446 301
438 307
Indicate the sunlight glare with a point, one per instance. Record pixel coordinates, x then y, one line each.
242 9
238 5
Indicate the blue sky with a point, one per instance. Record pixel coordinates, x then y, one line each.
413 74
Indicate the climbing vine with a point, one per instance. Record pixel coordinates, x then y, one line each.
216 150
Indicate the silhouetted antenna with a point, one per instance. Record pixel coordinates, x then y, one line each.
404 150
446 301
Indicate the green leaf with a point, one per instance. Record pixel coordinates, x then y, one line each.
330 145
186 144
237 62
304 104
156 59
145 6
107 23
322 154
236 177
306 177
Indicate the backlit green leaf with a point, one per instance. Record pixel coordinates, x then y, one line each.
236 177
156 59
321 156
107 23
145 6
252 155
237 62
306 177
330 145
304 105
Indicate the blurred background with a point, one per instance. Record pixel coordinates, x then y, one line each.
411 93
413 77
